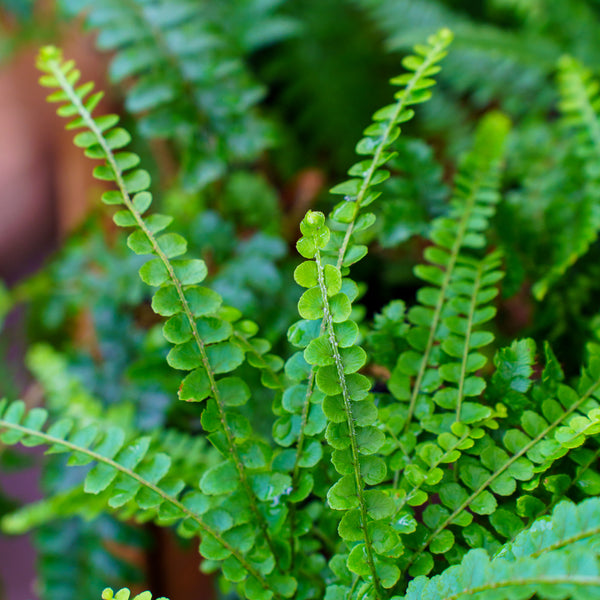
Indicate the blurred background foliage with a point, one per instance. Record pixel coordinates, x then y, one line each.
246 112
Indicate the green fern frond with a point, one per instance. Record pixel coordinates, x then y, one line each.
348 407
488 471
573 574
580 105
188 456
190 83
379 137
199 327
555 558
125 594
512 377
129 473
331 357
461 287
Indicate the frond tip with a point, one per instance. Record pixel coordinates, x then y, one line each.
124 594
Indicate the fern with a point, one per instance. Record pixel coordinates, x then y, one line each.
447 466
487 469
188 68
579 104
463 286
125 594
128 472
200 329
328 336
556 557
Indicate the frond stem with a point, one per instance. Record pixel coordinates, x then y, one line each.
328 320
366 184
465 356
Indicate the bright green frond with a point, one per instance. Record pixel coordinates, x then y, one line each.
580 105
209 340
125 594
324 374
129 473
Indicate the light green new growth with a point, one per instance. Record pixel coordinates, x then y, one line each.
125 594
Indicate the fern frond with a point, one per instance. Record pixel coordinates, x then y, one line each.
189 457
200 328
463 285
512 377
580 105
492 469
130 473
555 558
190 83
348 407
328 336
378 138
556 575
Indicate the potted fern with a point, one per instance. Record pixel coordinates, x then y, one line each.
462 471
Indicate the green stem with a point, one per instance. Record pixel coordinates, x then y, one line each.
417 487
366 184
523 581
465 356
456 247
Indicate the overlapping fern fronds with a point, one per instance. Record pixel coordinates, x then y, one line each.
190 83
328 336
362 489
208 339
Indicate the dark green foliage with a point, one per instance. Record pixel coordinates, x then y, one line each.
579 104
190 83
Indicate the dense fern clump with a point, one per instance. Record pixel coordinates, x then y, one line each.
420 453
